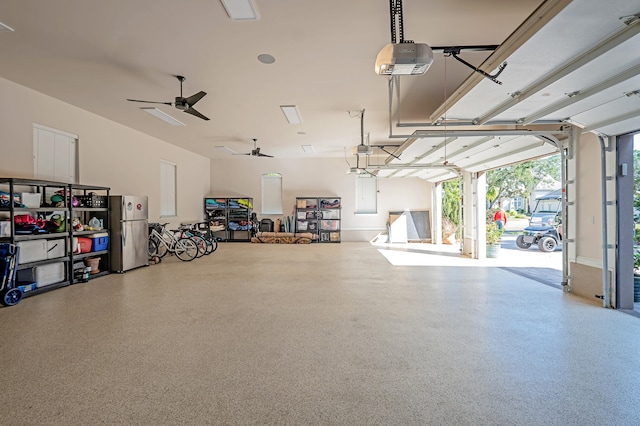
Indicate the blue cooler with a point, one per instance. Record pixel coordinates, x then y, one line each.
99 241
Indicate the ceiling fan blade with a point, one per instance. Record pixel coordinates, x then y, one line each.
150 102
264 155
196 113
191 100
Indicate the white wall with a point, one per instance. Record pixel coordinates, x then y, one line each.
110 154
319 177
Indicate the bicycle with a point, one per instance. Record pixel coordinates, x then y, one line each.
201 230
185 232
163 241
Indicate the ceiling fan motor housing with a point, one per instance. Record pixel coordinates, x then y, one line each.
181 103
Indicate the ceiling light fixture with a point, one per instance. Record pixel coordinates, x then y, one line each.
5 27
292 114
307 148
226 149
240 10
162 116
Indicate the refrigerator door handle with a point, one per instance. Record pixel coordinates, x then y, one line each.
124 233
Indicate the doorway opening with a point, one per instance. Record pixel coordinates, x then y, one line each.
636 222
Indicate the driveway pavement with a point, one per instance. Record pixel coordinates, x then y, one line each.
531 263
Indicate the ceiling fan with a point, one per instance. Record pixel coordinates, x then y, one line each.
182 103
255 152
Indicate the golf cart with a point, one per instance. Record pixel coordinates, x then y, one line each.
545 227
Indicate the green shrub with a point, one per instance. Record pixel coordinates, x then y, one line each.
493 233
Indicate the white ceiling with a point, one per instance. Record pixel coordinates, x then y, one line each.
96 54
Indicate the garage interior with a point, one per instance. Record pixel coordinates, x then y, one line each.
331 333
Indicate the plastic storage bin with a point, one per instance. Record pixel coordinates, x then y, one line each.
81 245
55 248
31 199
99 241
32 251
5 228
43 275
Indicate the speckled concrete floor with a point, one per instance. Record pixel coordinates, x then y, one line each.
316 335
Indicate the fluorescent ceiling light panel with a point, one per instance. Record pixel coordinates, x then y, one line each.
240 10
225 149
307 148
291 112
162 116
5 27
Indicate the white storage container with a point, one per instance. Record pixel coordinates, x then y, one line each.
5 228
55 248
43 275
31 199
32 251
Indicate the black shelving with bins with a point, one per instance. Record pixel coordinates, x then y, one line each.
319 216
91 202
46 259
230 218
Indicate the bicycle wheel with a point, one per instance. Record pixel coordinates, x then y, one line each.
162 248
212 245
201 243
153 248
186 249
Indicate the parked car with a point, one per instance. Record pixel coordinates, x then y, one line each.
545 228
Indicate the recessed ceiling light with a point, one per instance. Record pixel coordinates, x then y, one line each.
292 114
240 10
5 27
162 116
265 58
307 148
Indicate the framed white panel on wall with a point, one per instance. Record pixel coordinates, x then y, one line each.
366 194
168 191
272 193
55 154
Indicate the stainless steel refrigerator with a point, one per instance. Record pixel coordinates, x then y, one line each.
130 232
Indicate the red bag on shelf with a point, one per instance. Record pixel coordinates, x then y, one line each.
23 219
